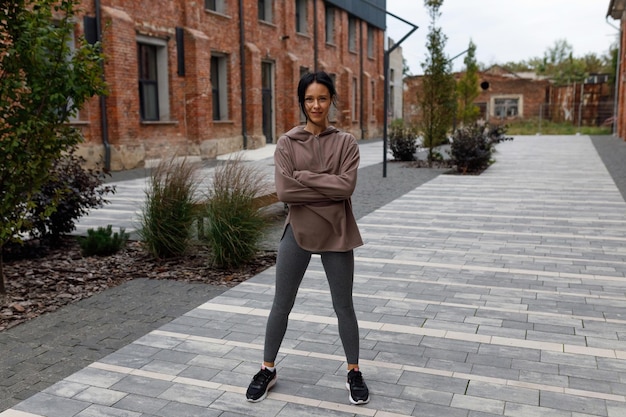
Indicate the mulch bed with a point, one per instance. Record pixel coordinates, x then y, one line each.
40 280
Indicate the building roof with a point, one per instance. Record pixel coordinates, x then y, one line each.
371 11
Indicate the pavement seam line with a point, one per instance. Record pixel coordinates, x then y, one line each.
496 216
441 229
525 225
458 267
508 245
502 256
413 195
16 413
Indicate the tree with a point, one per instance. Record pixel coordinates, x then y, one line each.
438 101
406 70
467 89
560 64
44 80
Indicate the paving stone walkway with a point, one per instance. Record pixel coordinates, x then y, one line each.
502 294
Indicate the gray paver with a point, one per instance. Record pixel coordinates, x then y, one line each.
478 296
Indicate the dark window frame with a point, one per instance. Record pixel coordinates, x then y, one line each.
329 21
301 16
148 81
352 33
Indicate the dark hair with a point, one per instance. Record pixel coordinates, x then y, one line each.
309 78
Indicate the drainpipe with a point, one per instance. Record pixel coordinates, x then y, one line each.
618 78
242 57
315 46
103 104
362 78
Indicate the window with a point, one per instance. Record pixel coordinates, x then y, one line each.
352 34
153 84
330 24
370 41
506 107
265 10
301 16
219 87
148 83
215 5
392 100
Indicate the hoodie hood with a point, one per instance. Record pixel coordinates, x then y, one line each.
298 133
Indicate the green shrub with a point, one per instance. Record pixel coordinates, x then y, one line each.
472 146
103 242
402 141
170 209
235 225
72 190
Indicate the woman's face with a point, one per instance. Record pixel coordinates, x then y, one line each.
317 102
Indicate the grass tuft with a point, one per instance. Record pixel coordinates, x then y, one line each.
235 224
170 209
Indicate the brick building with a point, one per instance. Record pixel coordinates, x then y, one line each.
204 78
503 95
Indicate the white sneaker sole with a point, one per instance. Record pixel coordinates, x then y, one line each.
360 402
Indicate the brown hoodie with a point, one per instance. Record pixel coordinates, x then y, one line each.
316 176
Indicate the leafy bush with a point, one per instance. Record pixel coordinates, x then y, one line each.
402 141
472 146
235 224
170 209
66 196
103 242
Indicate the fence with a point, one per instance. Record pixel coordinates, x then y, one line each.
585 113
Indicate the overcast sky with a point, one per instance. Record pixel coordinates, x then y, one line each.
504 30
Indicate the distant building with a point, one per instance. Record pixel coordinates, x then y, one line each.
505 96
396 81
208 77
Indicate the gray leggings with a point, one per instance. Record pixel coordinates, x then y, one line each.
291 264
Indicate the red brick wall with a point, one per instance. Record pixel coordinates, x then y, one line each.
532 93
191 129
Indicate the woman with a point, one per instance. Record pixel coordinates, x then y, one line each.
316 171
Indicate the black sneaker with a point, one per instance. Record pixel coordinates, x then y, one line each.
359 394
261 383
